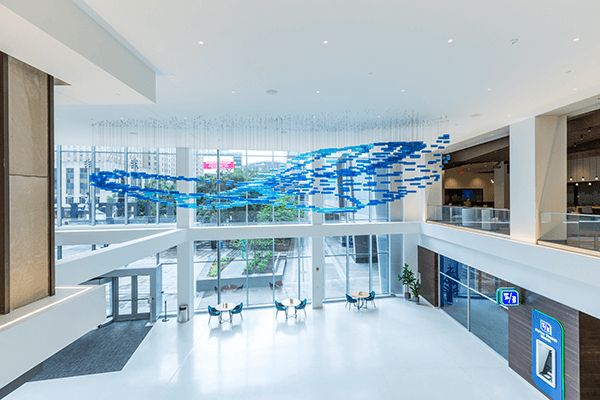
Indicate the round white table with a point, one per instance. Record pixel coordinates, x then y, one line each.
289 303
361 296
225 307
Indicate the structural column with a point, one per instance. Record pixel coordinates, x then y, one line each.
538 162
317 248
501 186
185 251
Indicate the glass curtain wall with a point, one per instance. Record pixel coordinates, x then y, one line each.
355 263
468 295
255 271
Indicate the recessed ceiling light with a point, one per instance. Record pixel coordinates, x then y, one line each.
568 72
370 73
200 42
314 116
576 39
450 40
117 94
318 91
272 91
232 91
513 41
325 42
379 116
574 88
403 90
475 115
489 89
508 115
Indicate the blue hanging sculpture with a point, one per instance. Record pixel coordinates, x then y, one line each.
297 177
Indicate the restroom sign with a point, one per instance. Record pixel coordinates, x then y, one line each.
508 297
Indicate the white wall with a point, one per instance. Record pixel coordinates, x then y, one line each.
31 334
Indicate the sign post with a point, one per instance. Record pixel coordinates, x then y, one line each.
547 354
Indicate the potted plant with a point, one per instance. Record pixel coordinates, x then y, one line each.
415 288
407 279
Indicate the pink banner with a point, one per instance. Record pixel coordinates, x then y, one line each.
224 165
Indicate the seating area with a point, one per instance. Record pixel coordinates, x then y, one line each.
225 307
361 300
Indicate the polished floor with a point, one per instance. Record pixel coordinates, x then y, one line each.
397 351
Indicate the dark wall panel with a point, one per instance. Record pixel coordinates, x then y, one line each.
428 267
519 339
589 356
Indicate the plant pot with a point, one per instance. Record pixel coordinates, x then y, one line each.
416 300
407 295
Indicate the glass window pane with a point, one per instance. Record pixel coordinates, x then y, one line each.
335 277
124 295
143 300
486 283
205 271
489 322
454 299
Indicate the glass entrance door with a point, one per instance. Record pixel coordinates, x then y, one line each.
131 297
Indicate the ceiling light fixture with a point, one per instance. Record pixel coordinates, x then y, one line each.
589 129
576 39
491 180
568 72
403 90
318 92
325 42
489 89
589 183
271 91
200 42
513 41
574 88
582 178
580 137
571 178
450 40
577 184
596 177
232 91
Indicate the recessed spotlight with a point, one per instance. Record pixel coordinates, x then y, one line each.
571 178
508 115
576 39
318 92
450 40
184 117
577 184
314 116
489 89
513 41
271 91
232 91
582 178
589 130
589 183
596 178
574 88
568 72
403 90
325 42
200 42
379 116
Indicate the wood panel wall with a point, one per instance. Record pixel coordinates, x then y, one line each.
428 267
589 356
519 339
26 184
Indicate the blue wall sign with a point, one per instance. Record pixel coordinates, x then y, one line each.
547 354
507 297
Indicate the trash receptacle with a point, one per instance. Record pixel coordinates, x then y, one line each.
183 315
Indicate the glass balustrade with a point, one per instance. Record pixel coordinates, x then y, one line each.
576 230
485 219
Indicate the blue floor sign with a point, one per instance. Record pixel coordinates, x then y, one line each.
547 354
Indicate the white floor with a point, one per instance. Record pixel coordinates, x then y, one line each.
397 351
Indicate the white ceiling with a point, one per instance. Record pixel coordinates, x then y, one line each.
375 50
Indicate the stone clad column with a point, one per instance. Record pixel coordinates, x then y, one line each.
26 184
